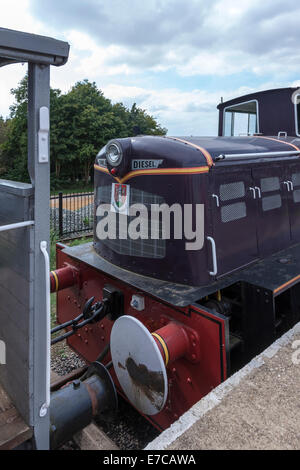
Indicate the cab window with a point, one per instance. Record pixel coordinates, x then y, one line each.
297 111
241 119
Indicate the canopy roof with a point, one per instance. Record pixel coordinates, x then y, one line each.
16 46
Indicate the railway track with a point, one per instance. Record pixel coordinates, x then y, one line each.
128 431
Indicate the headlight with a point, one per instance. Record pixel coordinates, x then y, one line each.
114 153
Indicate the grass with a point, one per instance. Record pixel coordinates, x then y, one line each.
54 239
73 189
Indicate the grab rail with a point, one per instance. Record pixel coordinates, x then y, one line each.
44 408
4 228
214 256
255 155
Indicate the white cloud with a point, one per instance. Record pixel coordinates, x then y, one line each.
15 14
119 44
184 113
10 76
219 37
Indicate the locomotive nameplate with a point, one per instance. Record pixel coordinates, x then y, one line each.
145 164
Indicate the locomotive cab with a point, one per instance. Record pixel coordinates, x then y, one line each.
240 186
269 112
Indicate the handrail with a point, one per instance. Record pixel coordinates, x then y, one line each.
214 256
282 134
255 155
44 408
217 199
4 228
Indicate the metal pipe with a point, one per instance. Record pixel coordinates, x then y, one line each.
62 337
77 326
255 155
172 341
45 406
4 228
62 278
66 324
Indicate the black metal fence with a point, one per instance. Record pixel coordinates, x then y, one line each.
71 213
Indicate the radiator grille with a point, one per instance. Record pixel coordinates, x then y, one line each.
271 202
233 212
146 248
232 191
296 195
296 179
270 184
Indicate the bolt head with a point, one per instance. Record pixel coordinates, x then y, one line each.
76 384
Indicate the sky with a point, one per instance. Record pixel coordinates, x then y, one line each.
174 58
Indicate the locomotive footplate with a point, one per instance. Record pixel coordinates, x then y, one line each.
175 294
277 273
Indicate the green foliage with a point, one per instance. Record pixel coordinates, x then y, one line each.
80 241
4 129
82 121
53 239
86 221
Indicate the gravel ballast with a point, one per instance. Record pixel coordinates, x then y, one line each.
129 430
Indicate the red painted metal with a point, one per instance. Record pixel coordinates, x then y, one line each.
63 278
195 337
173 341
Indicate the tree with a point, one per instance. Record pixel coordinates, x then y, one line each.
141 123
3 130
14 148
4 127
82 122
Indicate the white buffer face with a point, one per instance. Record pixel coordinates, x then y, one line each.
139 365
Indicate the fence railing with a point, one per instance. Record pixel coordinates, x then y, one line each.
71 213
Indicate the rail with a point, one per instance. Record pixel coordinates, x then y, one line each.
44 408
214 272
27 223
233 156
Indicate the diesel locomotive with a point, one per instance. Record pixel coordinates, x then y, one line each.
173 310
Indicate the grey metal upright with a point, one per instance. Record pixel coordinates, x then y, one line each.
24 242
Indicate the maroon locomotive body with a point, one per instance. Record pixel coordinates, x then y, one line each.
189 305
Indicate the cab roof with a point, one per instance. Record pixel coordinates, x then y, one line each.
276 111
